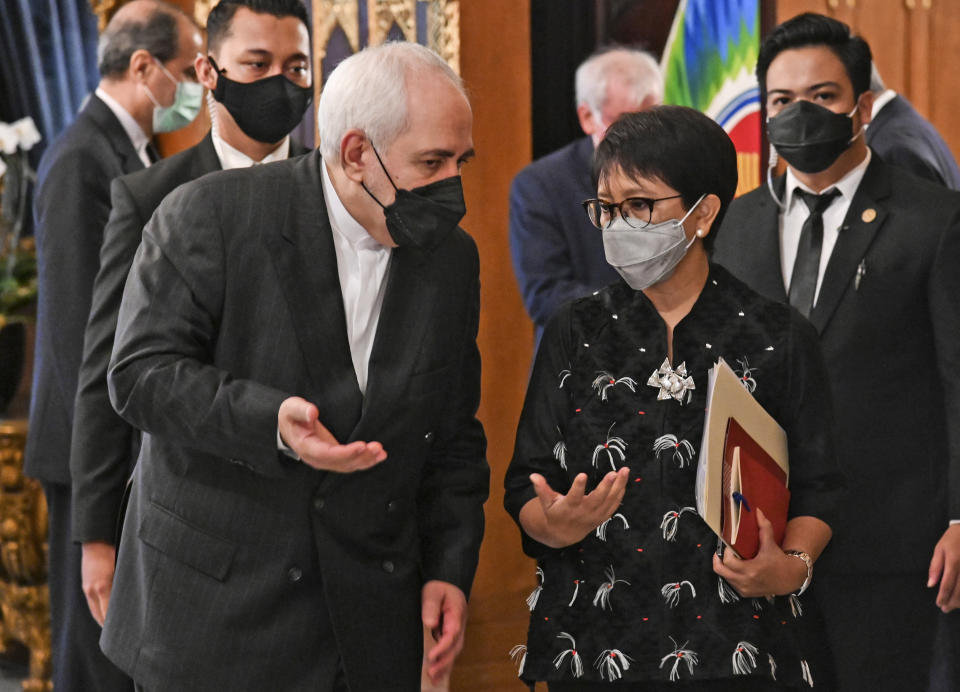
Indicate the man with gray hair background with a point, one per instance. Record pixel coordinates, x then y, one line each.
298 343
148 84
557 253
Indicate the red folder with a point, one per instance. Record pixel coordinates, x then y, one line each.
751 479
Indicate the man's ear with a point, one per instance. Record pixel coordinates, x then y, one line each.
588 123
865 106
206 75
141 62
352 148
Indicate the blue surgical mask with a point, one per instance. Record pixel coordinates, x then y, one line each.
186 104
645 256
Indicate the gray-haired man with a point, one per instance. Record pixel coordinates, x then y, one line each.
557 253
298 342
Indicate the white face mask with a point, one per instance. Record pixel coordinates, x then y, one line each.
647 255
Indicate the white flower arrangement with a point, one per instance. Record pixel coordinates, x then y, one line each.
17 270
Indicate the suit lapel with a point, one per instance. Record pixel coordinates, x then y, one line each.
404 318
864 218
306 263
103 117
205 159
764 234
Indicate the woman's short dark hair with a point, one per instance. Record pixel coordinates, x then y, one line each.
810 29
677 145
218 21
157 35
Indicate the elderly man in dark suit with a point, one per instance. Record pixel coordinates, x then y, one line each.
298 343
903 137
145 57
557 254
869 253
104 446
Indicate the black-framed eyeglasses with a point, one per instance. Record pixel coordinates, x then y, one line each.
636 211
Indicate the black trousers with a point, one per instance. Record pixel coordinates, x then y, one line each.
78 663
881 629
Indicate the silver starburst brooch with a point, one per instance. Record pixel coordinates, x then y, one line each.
673 384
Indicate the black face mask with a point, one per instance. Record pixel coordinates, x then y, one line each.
810 137
267 109
424 216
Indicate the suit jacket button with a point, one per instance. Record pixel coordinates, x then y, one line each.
294 574
428 437
388 566
318 503
391 506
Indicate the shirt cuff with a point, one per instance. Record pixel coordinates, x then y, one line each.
954 521
281 446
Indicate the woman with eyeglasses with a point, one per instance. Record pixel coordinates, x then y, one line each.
631 593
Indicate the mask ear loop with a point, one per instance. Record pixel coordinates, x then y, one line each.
773 158
364 185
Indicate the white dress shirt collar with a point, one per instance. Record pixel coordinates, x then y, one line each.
231 157
847 185
881 101
362 265
136 134
795 213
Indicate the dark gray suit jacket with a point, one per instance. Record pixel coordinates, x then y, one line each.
232 552
891 342
71 209
104 446
905 138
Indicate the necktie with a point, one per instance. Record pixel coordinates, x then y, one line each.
806 268
152 152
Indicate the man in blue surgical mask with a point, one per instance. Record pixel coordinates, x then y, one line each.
869 253
146 63
258 43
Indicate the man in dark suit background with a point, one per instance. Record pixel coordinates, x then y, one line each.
903 137
252 41
145 53
557 253
874 266
298 343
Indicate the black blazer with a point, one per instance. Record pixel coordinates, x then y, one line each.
71 209
891 342
905 138
233 551
104 446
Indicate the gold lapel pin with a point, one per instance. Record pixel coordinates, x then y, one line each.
868 215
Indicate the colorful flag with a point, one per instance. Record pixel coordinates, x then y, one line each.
708 64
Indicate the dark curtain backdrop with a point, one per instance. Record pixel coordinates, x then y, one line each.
48 63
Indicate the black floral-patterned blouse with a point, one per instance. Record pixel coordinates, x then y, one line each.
637 599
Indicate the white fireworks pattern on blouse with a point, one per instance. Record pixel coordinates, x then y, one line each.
683 451
671 592
680 654
602 528
745 373
604 381
535 594
744 658
576 663
671 521
611 663
602 597
612 447
518 654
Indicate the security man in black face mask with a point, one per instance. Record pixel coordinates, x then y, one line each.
298 343
264 45
869 253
